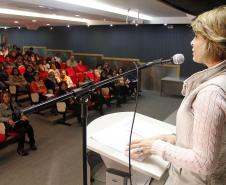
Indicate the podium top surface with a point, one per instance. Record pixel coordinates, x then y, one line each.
105 133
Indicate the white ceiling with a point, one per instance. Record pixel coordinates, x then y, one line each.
159 13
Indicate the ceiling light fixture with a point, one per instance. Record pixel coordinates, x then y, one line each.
19 27
105 7
68 26
34 20
77 15
41 15
111 25
47 24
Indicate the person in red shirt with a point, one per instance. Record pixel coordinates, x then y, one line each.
81 68
38 86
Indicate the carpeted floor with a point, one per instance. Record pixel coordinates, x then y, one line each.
58 160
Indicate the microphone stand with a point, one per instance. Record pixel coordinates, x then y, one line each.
84 96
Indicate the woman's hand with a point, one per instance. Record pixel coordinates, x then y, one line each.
168 138
140 149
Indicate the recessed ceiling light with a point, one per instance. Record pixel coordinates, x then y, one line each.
165 24
41 6
47 24
136 24
111 25
77 15
41 15
16 22
93 4
5 28
68 26
19 27
34 20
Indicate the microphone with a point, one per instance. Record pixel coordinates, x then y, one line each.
178 59
175 59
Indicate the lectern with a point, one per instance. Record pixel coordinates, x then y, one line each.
107 136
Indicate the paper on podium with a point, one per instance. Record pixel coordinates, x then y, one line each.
117 135
108 135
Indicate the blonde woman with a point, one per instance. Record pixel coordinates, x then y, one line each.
199 154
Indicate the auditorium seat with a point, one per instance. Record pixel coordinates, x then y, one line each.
22 69
90 75
71 73
43 75
6 139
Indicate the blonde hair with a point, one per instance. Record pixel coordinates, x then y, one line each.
212 26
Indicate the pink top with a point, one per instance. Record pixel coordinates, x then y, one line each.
209 109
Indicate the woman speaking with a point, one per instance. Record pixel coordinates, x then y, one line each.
198 151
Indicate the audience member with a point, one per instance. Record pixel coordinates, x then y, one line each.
18 80
51 83
97 72
71 62
67 79
3 77
55 70
38 86
71 103
11 116
107 69
29 74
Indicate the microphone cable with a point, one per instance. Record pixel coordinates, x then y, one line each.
150 180
131 130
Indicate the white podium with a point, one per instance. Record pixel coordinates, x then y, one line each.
153 166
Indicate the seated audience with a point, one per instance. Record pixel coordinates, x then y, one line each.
67 79
81 68
71 103
33 62
97 72
122 85
43 66
11 116
29 74
71 62
38 86
51 83
55 70
132 82
107 69
18 80
43 69
3 77
9 61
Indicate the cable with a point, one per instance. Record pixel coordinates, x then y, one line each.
131 130
151 179
148 180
